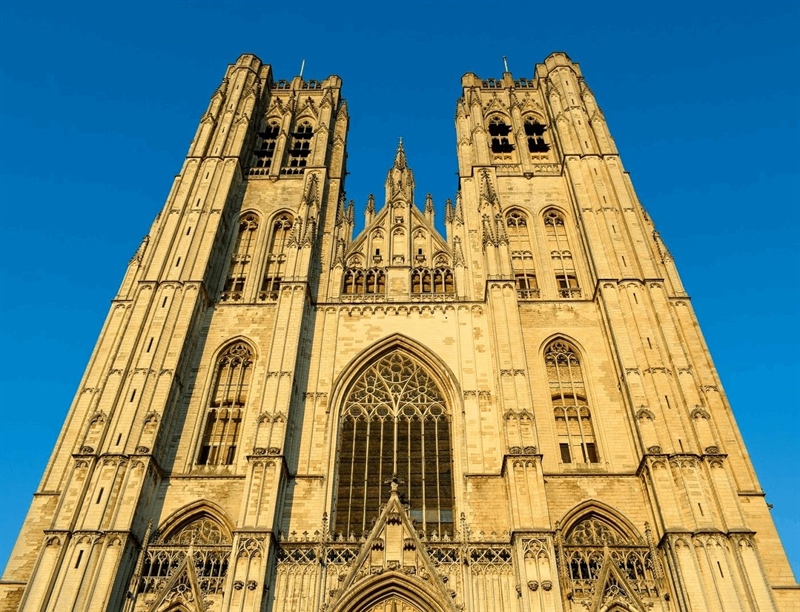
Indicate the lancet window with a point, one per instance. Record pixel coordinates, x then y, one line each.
300 148
561 255
243 252
395 422
204 544
230 386
521 248
502 141
265 148
432 281
360 282
275 267
534 132
576 441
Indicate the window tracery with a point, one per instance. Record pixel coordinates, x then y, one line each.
358 281
227 399
534 132
594 542
432 281
275 268
573 421
243 252
564 267
300 149
521 248
204 544
502 141
395 422
265 148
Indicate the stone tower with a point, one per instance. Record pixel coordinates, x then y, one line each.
519 416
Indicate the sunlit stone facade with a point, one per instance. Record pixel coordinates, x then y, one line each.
518 416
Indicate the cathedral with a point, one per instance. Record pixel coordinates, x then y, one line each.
284 415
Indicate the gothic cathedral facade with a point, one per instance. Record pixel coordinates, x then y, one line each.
518 416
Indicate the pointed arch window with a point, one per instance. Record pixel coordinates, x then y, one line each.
394 421
364 282
432 282
595 542
227 399
576 441
520 245
534 133
243 252
502 141
199 552
265 148
561 255
300 148
275 268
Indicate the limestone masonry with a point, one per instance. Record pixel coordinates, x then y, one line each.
519 416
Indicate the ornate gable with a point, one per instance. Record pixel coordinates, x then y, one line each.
393 551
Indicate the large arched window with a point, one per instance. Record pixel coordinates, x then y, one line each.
275 268
561 255
225 405
243 252
395 422
570 409
519 242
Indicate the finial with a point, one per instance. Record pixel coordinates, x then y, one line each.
394 481
400 156
429 203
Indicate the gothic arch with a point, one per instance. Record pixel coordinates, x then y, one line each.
394 410
439 370
271 219
230 342
196 510
373 591
564 338
556 209
594 508
518 210
221 430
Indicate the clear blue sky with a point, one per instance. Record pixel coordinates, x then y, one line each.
99 101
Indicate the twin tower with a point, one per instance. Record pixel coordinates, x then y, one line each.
518 416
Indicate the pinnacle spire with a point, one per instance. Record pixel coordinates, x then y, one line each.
400 179
400 156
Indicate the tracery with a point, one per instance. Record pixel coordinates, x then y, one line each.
395 422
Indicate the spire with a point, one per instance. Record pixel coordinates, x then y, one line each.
400 156
429 208
369 213
400 179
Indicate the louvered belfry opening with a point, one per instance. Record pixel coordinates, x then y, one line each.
395 422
